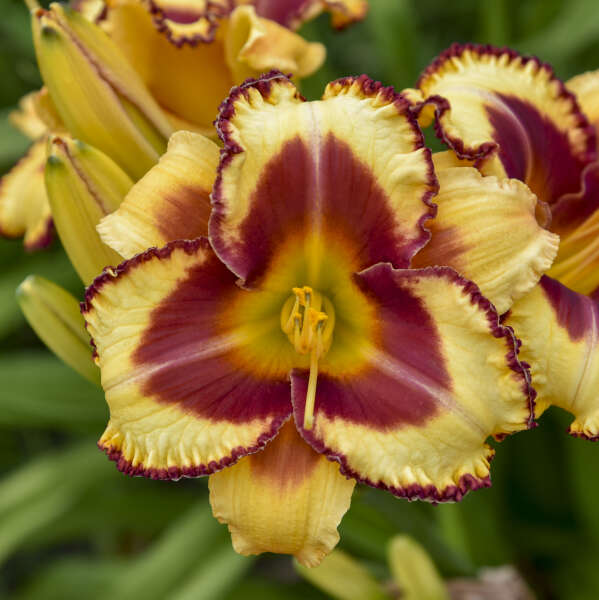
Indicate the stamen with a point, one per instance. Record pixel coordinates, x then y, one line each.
308 319
311 393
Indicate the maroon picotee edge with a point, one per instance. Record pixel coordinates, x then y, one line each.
264 85
442 104
174 473
213 13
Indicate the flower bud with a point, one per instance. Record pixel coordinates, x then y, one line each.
414 571
54 315
83 186
342 577
97 94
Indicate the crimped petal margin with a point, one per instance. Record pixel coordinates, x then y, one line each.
171 202
586 88
486 229
189 21
511 114
182 402
295 168
24 207
560 340
443 377
286 499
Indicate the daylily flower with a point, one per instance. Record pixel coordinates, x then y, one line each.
190 54
24 209
293 346
509 115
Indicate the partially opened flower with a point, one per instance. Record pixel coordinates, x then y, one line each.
295 332
189 54
511 116
24 208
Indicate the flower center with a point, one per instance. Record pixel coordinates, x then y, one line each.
308 319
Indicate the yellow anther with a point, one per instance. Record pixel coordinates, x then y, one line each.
308 319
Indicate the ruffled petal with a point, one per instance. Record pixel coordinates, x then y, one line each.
439 377
586 88
26 119
486 230
189 21
286 499
187 392
292 13
560 340
188 82
254 45
24 207
293 170
171 202
511 114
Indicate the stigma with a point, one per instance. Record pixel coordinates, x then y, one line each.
308 319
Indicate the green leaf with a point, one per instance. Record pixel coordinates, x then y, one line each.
55 397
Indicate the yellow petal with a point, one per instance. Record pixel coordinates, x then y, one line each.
254 45
486 229
171 202
97 94
559 330
299 171
175 368
24 208
438 377
586 88
83 186
26 119
286 499
55 316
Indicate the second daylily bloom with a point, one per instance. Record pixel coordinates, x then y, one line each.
511 116
190 54
293 347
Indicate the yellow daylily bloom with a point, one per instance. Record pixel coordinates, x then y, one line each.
279 338
190 66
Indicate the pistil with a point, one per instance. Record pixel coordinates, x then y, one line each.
308 319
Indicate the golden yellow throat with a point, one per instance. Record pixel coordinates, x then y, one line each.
308 319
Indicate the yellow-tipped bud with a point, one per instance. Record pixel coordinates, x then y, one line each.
83 186
414 571
342 577
54 315
97 94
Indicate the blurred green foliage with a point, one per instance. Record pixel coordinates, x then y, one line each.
71 526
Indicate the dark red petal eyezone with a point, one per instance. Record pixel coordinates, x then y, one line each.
297 171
